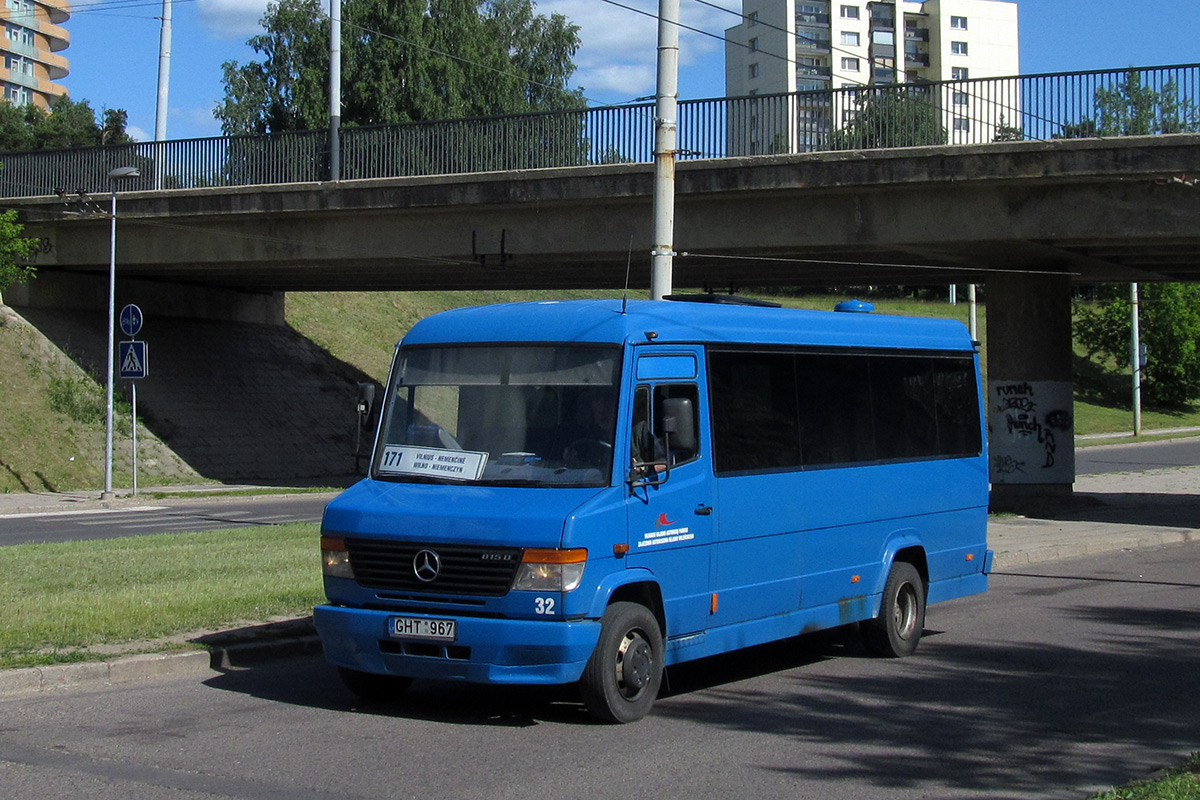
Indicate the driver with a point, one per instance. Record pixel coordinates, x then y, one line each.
592 442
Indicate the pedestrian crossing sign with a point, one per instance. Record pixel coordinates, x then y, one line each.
132 359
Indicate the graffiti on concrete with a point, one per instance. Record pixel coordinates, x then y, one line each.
1031 432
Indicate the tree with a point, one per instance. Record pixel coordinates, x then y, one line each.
1169 324
14 248
402 61
1008 133
66 124
892 117
1132 108
1084 129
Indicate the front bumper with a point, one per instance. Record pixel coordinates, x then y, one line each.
485 651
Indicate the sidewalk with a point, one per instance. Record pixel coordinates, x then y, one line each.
1108 513
71 502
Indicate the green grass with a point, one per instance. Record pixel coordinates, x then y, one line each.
362 328
1179 783
60 599
52 424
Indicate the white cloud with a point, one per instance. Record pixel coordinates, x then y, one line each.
198 119
137 134
618 52
232 19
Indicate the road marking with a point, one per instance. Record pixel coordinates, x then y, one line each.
193 524
82 512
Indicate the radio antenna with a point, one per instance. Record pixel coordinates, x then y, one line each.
628 264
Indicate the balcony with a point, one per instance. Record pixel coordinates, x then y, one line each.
811 71
916 59
812 19
812 43
916 34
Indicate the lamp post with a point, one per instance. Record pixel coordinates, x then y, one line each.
114 176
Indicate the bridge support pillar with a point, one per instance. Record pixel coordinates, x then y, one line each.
1030 400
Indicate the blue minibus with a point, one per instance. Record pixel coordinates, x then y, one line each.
587 492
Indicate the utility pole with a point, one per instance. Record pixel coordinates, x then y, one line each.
665 143
164 73
335 90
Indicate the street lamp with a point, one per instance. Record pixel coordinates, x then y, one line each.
115 176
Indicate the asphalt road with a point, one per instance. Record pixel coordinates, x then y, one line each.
1063 679
1139 456
164 517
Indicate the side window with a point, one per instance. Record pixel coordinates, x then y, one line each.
754 411
666 424
782 410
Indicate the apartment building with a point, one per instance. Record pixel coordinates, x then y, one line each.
31 44
784 46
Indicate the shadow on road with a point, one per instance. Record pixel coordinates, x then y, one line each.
1133 508
1080 680
308 681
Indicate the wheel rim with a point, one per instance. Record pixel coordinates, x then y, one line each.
904 612
634 664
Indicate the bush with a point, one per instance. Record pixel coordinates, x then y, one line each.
1169 322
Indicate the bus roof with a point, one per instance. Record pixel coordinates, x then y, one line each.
595 321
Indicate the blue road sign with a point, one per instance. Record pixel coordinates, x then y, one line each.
133 359
131 320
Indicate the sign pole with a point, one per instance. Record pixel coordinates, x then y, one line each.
133 400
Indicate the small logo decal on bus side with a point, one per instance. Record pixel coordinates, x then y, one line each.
663 522
669 536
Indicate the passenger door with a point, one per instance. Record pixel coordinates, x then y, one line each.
671 492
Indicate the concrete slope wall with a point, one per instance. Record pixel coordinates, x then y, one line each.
238 402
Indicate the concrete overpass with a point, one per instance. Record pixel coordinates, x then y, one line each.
1096 210
1027 219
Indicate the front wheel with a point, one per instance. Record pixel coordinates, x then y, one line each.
897 630
623 675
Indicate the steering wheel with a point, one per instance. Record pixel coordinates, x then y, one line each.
587 453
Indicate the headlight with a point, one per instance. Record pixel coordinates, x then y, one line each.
335 558
550 570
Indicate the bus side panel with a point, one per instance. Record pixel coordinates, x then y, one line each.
807 539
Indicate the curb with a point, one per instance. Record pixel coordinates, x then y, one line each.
1023 557
147 666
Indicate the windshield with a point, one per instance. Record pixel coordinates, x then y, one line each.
524 415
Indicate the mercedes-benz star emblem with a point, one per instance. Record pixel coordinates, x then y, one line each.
427 564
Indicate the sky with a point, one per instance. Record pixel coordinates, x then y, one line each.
114 51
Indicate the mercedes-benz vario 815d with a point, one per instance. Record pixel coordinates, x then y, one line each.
591 491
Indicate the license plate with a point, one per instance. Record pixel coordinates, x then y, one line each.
435 630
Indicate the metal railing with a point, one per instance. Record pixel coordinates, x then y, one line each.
1095 103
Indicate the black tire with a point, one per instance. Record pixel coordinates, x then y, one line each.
896 632
623 675
373 687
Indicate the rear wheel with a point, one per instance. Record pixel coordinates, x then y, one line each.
373 687
624 673
897 630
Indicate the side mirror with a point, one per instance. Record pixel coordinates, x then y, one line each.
679 423
366 402
364 407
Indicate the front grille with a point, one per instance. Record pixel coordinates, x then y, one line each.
464 569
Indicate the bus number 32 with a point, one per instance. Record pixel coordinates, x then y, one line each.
543 605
